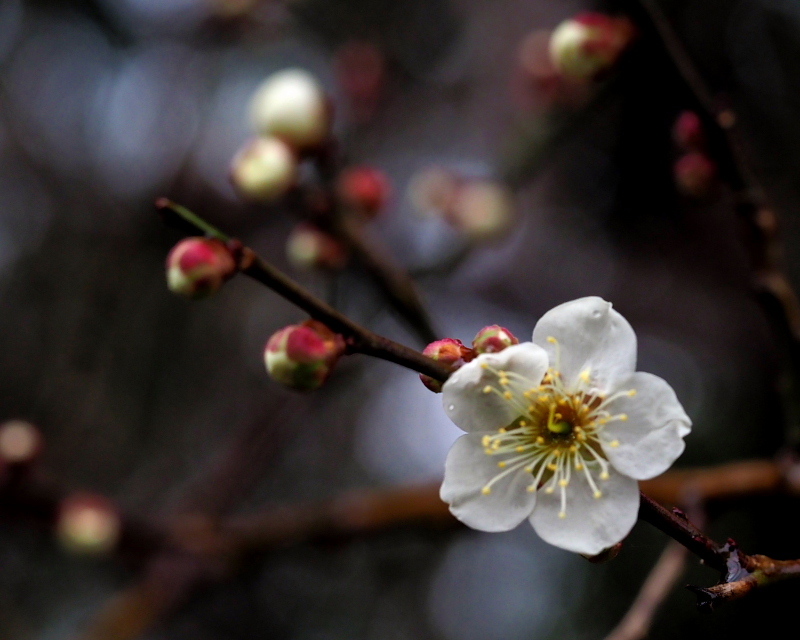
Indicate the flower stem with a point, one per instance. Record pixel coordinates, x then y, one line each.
681 530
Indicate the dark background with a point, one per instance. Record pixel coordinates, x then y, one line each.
107 104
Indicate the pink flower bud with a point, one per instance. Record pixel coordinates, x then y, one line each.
492 339
364 189
264 169
588 45
302 356
20 442
291 105
88 524
447 351
695 175
198 267
687 132
309 248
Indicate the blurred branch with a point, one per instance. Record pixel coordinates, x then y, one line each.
358 338
732 480
198 548
393 281
769 278
206 551
666 572
637 622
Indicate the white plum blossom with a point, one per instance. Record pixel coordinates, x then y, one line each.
559 430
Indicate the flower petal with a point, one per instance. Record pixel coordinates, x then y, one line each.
592 524
473 410
590 335
651 439
466 472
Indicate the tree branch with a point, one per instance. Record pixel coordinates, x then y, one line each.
358 338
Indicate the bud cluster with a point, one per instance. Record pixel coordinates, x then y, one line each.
452 352
481 209
695 172
292 118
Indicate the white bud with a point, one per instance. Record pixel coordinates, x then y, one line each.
264 169
291 105
483 209
588 45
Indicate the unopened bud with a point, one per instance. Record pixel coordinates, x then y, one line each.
264 169
302 356
198 267
584 47
364 189
447 351
20 442
309 248
695 175
291 105
482 209
492 339
687 132
88 524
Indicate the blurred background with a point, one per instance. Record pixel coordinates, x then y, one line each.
163 404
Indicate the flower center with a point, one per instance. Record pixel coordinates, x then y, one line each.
557 432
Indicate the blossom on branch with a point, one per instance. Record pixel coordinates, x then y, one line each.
559 430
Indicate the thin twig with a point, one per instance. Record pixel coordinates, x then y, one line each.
359 339
394 282
769 277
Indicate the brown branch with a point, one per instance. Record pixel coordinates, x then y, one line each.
677 526
745 573
732 480
358 512
359 339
